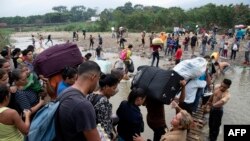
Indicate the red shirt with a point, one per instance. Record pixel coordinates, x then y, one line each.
178 54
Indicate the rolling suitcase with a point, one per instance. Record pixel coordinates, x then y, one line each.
159 84
55 58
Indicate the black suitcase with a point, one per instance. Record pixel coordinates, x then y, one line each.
159 84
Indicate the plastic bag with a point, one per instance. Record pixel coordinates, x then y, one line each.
191 68
105 66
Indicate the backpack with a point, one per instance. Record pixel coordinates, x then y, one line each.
123 54
42 127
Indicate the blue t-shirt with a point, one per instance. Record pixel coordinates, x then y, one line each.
61 86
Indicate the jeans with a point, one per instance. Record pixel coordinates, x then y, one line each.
198 96
233 54
247 56
203 49
155 54
215 122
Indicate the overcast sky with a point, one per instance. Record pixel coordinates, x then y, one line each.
38 7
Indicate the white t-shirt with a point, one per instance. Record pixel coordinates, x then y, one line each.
225 47
191 89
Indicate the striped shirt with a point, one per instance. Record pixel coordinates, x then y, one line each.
26 99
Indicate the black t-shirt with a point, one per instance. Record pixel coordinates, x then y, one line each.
100 40
49 37
75 115
98 51
193 40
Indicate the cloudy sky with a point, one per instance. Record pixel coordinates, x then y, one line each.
35 7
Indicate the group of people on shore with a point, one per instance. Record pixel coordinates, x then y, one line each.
91 89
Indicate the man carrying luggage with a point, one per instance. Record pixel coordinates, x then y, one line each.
78 108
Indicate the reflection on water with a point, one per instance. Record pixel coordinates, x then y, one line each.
23 42
236 111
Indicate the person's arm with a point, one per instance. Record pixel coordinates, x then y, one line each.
183 91
137 137
92 135
23 127
222 101
37 106
176 106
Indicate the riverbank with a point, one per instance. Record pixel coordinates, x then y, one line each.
110 44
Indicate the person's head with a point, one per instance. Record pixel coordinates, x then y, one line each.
137 96
5 53
226 43
216 63
89 71
19 77
31 48
182 120
108 85
4 77
179 46
24 68
226 83
88 56
28 54
5 65
4 94
16 52
130 46
212 58
69 75
118 74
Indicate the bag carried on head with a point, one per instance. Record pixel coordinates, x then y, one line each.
52 60
161 85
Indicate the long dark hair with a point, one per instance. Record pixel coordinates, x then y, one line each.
108 80
136 92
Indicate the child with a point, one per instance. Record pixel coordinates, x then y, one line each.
178 55
225 49
69 76
130 117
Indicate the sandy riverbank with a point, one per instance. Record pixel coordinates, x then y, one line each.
110 44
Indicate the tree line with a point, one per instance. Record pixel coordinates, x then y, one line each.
148 18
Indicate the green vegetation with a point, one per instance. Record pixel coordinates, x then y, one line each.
135 18
4 37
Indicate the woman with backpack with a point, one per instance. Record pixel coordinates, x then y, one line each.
12 127
100 100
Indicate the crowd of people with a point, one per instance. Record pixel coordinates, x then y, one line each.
84 92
